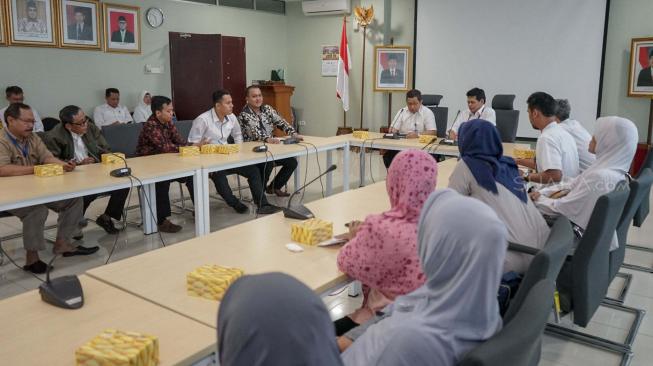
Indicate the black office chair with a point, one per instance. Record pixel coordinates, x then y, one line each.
639 189
585 276
545 265
123 137
183 127
49 123
520 341
441 115
431 100
507 117
640 216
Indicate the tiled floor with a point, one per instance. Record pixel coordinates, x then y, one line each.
556 352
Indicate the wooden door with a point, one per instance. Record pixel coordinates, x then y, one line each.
234 76
195 71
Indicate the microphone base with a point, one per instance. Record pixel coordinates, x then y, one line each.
449 142
122 172
298 213
63 292
291 140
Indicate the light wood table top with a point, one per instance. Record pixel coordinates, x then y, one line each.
27 190
256 246
376 140
36 333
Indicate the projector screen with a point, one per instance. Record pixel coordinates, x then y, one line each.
511 47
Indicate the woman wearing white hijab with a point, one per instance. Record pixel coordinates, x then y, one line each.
614 143
143 110
461 245
273 319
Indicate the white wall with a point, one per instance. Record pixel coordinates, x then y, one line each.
628 19
53 78
316 95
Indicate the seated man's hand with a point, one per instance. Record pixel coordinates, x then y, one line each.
393 130
298 136
69 166
202 142
534 196
272 140
453 135
88 160
412 135
343 343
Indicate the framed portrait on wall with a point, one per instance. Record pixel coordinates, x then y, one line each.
79 24
392 68
640 80
3 29
122 28
31 23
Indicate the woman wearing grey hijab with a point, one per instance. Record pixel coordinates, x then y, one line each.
461 245
273 319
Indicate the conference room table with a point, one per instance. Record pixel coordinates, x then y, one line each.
375 140
25 191
147 293
36 333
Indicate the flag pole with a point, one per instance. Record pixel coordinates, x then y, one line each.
363 76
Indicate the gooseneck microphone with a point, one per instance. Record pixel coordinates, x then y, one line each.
301 212
64 292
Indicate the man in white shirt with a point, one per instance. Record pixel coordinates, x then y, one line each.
14 94
216 126
581 136
556 156
412 120
111 112
476 109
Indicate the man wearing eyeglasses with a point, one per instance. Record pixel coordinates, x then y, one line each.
20 150
78 140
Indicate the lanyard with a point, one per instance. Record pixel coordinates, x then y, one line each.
23 149
480 112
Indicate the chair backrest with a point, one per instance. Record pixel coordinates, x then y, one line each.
123 137
431 99
507 117
639 189
520 341
545 265
183 127
590 272
49 123
441 116
643 210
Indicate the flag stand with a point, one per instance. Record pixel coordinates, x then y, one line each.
344 130
344 48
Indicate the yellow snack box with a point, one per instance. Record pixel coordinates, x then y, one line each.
227 149
112 158
208 148
312 231
523 153
117 348
425 139
363 135
48 170
189 151
211 281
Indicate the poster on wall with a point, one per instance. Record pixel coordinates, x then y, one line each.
31 23
122 28
3 36
640 80
392 68
330 56
79 24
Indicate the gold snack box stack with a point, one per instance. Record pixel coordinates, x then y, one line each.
189 151
312 231
118 348
363 135
523 153
211 281
113 159
220 149
48 170
426 139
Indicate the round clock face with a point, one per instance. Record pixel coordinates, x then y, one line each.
154 17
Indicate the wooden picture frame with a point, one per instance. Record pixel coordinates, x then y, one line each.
116 38
640 74
79 24
389 76
31 23
3 23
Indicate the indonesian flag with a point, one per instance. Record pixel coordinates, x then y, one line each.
344 65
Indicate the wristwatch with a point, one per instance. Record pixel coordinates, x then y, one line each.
525 176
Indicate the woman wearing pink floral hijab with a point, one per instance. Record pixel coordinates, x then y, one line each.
383 251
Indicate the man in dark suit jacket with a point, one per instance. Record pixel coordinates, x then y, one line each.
645 77
80 30
392 75
122 35
65 140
